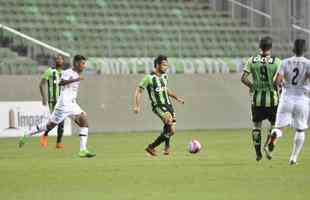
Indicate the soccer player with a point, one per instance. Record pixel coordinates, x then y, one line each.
67 106
159 94
50 79
264 95
293 108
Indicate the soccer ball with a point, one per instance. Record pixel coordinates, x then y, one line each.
194 146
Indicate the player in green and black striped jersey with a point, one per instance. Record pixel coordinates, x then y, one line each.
159 94
51 78
264 94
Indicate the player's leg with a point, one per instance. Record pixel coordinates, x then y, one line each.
60 131
257 138
166 118
51 107
56 117
300 123
299 139
283 119
82 121
169 131
272 114
44 137
257 118
35 130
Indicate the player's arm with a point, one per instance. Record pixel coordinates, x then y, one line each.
245 79
136 100
174 96
45 77
246 73
279 77
42 87
138 93
66 82
278 81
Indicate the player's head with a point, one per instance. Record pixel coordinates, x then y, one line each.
299 47
161 63
265 43
59 60
79 63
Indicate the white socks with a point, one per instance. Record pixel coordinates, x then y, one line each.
37 129
83 138
299 140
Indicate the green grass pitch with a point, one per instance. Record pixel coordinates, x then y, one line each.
224 169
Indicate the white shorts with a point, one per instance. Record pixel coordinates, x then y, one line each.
60 113
293 111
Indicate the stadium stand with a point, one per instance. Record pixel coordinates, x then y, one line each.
133 28
12 63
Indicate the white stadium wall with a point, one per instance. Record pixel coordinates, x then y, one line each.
211 101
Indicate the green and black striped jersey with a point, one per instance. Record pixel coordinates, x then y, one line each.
52 76
157 88
263 70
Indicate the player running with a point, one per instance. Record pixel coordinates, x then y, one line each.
50 79
67 107
264 95
159 94
293 108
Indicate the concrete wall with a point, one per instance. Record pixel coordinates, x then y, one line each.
212 101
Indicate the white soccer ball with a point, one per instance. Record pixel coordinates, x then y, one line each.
194 146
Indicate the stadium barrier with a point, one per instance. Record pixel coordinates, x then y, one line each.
176 65
16 117
211 101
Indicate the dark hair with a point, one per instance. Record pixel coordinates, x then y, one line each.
78 58
299 47
265 43
59 55
159 60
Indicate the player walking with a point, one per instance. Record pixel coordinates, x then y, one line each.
159 94
262 68
293 108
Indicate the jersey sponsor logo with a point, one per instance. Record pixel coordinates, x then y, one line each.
268 60
160 89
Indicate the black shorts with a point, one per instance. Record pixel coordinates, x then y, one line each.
161 110
261 113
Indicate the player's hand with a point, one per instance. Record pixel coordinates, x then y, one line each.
44 102
81 78
250 89
136 109
180 100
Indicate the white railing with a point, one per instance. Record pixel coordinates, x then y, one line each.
266 15
249 8
297 27
31 39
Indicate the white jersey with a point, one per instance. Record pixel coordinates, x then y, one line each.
296 71
68 93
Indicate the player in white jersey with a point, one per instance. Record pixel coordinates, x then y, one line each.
293 109
67 106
